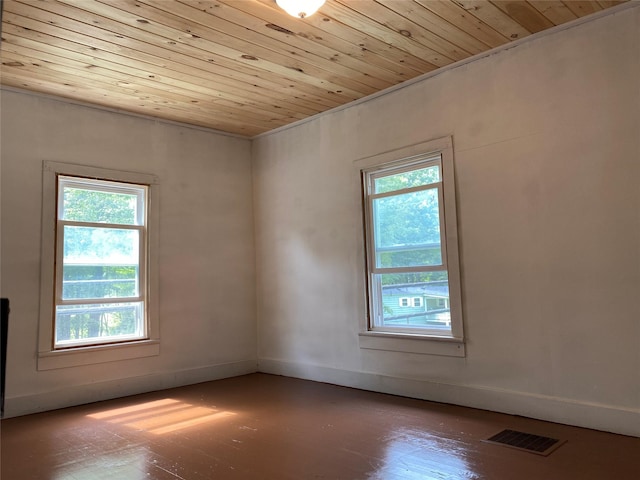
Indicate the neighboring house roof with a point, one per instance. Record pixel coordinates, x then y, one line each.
429 289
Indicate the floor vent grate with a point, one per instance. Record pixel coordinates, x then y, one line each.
526 442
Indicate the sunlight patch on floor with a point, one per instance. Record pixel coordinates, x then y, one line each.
161 416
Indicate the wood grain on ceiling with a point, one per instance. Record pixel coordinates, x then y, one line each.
244 66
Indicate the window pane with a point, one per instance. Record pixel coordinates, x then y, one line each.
98 323
100 246
86 205
407 230
429 307
99 281
413 178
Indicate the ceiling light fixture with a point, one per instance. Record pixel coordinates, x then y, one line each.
300 8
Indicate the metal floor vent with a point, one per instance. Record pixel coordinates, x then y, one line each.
526 442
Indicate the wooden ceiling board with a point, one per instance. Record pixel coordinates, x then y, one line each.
554 10
347 15
455 14
320 30
214 85
609 3
244 66
582 8
141 92
199 93
495 18
140 57
134 103
306 51
428 20
184 44
525 14
405 29
217 37
52 66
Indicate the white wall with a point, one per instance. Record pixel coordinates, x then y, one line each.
546 140
206 253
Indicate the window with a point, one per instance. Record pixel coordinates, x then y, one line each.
98 285
413 279
410 302
100 262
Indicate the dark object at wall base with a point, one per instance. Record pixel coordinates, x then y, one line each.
3 337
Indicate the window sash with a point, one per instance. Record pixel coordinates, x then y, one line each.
402 166
108 186
141 194
376 309
377 321
141 277
371 233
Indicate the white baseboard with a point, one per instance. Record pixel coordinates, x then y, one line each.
81 394
554 409
607 418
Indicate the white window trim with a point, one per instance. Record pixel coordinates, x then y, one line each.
448 345
48 358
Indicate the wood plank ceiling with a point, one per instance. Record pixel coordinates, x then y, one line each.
244 66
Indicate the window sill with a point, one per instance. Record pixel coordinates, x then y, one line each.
76 357
406 343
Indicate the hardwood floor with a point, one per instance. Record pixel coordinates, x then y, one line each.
268 427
